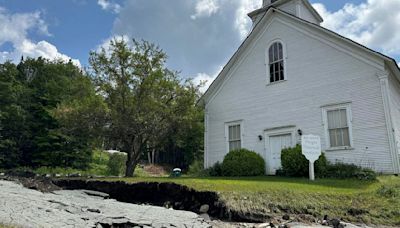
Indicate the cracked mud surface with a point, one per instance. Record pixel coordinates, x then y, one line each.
25 207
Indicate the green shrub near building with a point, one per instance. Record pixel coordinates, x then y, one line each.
243 162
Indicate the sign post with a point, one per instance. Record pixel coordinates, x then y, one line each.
311 149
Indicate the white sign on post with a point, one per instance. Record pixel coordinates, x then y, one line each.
311 148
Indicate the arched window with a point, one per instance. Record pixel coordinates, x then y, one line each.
276 63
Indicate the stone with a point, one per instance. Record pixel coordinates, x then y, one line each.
74 175
2 174
94 210
95 193
286 217
325 223
335 223
205 216
204 208
264 225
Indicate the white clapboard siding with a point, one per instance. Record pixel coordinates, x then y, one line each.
317 74
394 93
306 14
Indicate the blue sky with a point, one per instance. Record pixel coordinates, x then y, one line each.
198 35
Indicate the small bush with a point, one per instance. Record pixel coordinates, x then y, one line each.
343 171
116 164
243 163
196 168
214 171
294 164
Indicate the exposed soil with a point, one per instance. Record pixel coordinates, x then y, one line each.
162 194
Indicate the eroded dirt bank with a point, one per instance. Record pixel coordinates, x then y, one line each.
161 194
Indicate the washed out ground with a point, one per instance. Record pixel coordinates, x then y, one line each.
376 202
367 202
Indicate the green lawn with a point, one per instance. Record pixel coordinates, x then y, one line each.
376 202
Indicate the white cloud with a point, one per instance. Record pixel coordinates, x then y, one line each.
205 8
15 28
373 23
205 79
242 21
109 5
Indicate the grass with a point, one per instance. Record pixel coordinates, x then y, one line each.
375 202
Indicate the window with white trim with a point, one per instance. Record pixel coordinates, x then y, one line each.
276 62
337 120
234 137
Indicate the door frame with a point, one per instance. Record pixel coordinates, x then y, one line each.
277 131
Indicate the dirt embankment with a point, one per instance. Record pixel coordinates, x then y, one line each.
162 194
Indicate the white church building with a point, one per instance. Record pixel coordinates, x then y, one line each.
290 77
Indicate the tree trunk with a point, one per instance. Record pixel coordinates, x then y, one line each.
133 156
130 168
148 156
153 155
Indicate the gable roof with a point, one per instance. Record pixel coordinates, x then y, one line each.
281 2
215 85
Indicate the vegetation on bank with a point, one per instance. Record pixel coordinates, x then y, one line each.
54 114
370 202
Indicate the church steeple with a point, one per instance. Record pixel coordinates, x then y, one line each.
268 2
299 8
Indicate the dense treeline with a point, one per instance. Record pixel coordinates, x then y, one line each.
54 114
30 133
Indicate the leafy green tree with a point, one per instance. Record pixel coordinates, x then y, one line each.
50 84
144 98
12 116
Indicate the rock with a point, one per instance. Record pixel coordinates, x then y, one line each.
204 208
325 223
94 210
167 204
205 216
283 226
75 175
286 217
264 225
98 194
2 174
335 223
57 175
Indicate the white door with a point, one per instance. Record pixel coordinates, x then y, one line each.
276 144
